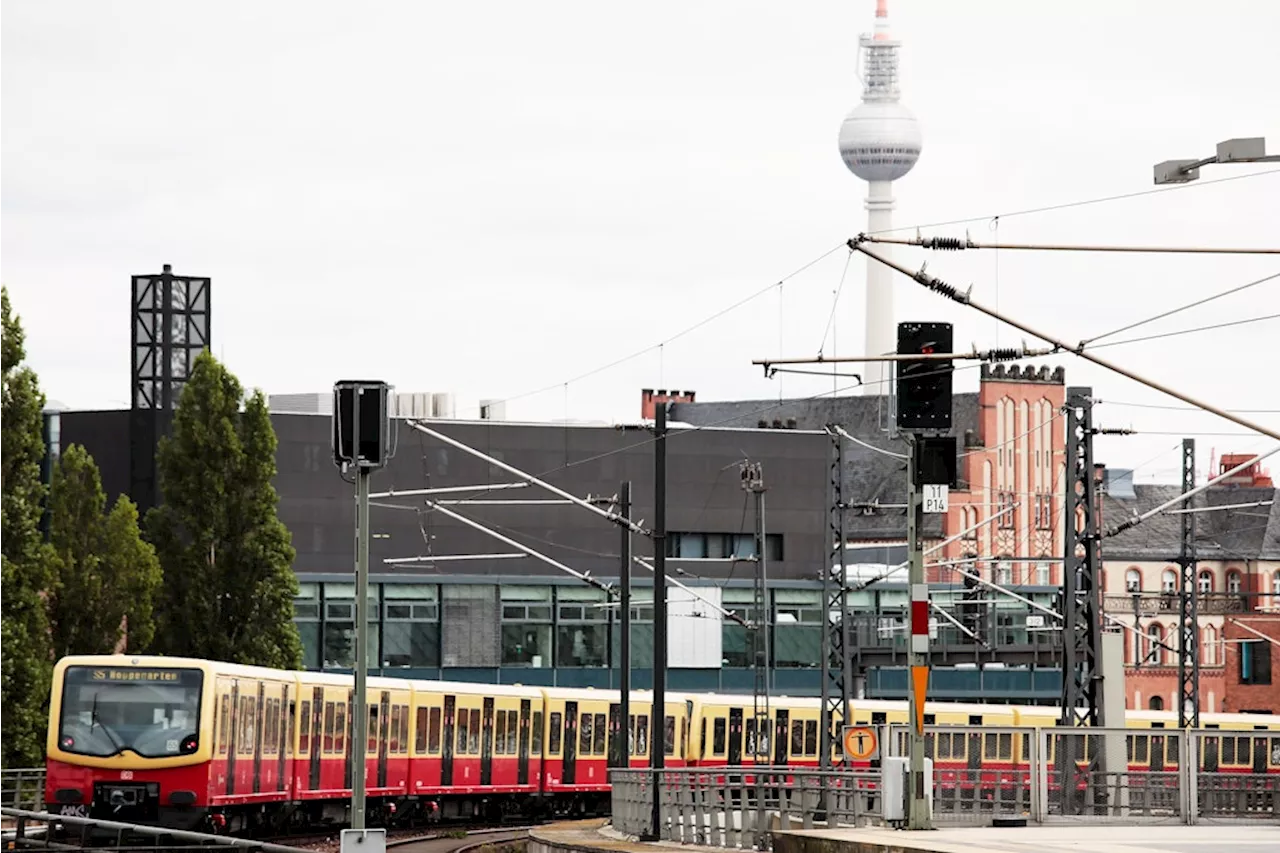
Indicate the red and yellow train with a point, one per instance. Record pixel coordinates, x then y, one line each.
200 744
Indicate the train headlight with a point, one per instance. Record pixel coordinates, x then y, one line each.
67 742
189 744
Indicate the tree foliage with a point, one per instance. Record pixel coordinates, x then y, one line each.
104 576
227 557
25 665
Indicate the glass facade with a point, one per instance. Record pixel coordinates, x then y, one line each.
526 626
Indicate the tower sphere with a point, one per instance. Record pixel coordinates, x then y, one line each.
880 140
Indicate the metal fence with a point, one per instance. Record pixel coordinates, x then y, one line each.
43 831
22 788
981 774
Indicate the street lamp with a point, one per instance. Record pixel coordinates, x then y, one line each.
1252 149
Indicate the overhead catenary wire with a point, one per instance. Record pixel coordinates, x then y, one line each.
1192 330
941 287
955 244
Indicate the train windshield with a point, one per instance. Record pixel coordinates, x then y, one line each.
154 712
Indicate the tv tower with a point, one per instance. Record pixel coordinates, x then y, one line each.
879 142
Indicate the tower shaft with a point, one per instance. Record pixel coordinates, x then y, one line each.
880 329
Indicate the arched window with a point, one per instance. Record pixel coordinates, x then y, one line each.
1132 580
1156 703
1233 583
1169 581
1205 582
1155 650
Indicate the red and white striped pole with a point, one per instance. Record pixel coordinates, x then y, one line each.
918 816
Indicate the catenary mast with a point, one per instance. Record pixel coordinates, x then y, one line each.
879 142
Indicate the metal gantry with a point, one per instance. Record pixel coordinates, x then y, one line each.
1081 684
1188 621
753 484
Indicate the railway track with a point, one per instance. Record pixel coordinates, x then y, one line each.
457 840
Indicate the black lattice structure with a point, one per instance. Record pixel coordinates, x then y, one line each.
1188 617
170 315
1082 557
837 675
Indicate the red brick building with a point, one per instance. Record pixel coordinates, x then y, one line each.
1251 682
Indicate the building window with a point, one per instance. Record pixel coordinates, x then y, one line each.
641 630
1006 503
735 643
1275 584
1255 662
411 625
1044 512
1204 582
1156 654
719 546
1004 571
340 625
1233 583
1156 703
1042 572
1209 645
797 628
1169 581
1132 580
306 615
582 627
526 626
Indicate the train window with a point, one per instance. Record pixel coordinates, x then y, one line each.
989 746
684 735
371 730
718 742
269 726
797 737
584 734
810 737
304 728
1141 750
328 727
703 748
669 739
642 735
1004 746
433 729
557 725
602 730
404 729
1171 752
536 748
223 716
420 730
464 721
942 745
513 732
1228 750
393 736
500 735
340 729
473 739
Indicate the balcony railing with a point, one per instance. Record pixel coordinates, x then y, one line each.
1151 603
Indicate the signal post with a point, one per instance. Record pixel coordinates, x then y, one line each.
924 414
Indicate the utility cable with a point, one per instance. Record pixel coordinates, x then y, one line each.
835 304
955 244
1178 332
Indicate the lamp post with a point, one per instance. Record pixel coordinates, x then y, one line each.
1251 149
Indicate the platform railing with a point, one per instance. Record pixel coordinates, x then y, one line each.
739 807
22 788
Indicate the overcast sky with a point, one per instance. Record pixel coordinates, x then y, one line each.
491 198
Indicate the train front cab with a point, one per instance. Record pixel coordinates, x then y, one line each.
471 743
167 741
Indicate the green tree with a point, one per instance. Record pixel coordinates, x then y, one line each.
104 576
25 663
227 557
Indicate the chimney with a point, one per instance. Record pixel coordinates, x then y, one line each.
649 400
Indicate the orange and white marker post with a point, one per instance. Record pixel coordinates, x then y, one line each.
917 809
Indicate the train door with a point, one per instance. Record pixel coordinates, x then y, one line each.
975 744
735 736
615 732
350 738
446 757
568 774
384 737
284 742
1260 752
1157 752
1209 754
781 738
317 725
259 717
486 743
232 740
523 768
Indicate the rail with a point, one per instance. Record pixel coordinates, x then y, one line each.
43 831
